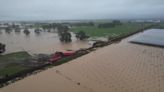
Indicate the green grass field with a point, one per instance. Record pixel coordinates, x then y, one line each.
11 70
14 57
161 25
11 63
109 32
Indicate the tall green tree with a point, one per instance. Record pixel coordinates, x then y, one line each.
2 48
81 35
64 34
26 31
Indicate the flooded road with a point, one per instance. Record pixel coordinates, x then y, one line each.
44 42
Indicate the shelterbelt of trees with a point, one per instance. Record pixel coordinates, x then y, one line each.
109 25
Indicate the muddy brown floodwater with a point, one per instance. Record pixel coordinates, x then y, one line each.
121 67
45 42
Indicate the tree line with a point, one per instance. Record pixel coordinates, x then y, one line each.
110 25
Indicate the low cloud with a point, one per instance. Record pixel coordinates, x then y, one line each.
80 9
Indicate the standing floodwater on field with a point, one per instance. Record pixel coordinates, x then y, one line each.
34 43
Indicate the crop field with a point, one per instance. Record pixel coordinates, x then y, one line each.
119 30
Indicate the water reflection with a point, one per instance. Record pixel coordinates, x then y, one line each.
37 34
8 32
17 33
17 30
0 31
42 42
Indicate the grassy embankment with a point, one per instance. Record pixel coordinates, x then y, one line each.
11 63
120 30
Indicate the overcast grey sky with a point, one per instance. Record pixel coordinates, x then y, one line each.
80 9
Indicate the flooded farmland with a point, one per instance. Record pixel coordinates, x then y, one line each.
121 67
34 43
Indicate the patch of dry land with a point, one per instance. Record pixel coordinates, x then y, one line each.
121 67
